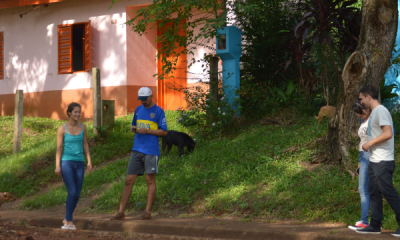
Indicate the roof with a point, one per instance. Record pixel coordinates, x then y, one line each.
20 3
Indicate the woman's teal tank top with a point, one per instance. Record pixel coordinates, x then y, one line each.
73 146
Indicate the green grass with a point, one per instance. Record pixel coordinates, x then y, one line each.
33 168
251 175
109 174
247 174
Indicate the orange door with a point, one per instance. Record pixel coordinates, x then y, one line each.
168 98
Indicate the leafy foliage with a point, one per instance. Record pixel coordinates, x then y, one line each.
205 114
320 42
173 16
261 22
326 18
386 91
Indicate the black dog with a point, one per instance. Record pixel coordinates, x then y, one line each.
179 139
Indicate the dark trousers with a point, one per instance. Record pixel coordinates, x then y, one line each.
381 184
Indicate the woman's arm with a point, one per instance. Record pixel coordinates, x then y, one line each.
86 148
60 140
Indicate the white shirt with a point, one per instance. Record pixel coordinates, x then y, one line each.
362 133
380 117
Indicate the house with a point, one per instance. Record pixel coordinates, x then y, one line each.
48 48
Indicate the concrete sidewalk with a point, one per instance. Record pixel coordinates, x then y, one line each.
213 228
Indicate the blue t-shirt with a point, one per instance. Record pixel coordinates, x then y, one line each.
152 118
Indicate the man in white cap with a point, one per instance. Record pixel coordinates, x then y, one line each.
148 123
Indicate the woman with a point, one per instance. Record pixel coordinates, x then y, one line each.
70 162
363 162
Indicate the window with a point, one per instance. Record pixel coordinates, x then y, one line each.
74 48
1 56
221 41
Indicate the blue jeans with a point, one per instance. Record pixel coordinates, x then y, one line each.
72 174
363 185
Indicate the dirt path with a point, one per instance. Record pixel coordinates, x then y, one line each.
46 225
17 231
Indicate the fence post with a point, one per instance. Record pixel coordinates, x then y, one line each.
18 114
96 100
214 78
108 113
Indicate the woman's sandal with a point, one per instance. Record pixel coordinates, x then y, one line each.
68 227
145 216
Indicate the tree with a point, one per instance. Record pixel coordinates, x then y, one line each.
204 16
327 29
366 66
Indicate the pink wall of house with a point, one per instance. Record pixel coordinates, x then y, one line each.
141 53
31 53
31 48
126 60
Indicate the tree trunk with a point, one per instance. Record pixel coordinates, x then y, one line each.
366 66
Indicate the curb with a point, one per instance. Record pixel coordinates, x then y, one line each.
200 229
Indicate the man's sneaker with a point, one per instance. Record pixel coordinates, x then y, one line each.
369 229
397 233
358 225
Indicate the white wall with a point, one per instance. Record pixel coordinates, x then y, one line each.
31 49
202 46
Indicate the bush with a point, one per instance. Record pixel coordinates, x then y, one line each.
205 114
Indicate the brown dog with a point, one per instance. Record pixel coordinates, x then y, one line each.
6 196
327 111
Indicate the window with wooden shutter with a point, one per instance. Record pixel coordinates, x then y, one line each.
88 47
1 55
74 48
64 49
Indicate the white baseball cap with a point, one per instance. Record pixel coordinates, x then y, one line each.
144 93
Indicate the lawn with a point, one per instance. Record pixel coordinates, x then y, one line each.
247 174
33 168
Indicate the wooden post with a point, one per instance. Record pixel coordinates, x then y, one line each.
18 113
213 85
96 100
108 113
214 78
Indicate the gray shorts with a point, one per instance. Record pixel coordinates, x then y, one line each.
140 163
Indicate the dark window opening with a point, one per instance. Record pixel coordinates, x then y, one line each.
221 42
78 37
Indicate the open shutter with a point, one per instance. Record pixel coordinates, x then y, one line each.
88 47
64 49
1 56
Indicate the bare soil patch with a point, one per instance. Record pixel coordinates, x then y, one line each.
22 231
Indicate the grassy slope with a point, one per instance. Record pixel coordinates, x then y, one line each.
249 174
33 168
